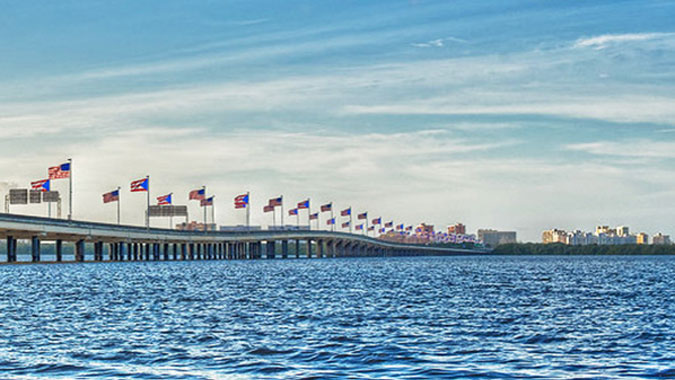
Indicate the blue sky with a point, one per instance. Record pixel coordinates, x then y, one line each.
522 115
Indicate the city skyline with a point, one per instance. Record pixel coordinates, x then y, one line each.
422 111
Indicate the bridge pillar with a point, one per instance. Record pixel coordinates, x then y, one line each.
284 249
175 251
165 248
79 251
59 250
111 251
319 248
221 251
120 251
35 249
11 249
147 251
297 249
199 251
183 251
191 251
309 248
156 251
97 251
271 248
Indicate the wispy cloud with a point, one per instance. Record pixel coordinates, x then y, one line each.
439 42
642 148
605 40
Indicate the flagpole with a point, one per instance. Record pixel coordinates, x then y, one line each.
351 222
309 215
118 204
332 217
171 217
70 190
367 224
248 210
282 211
204 187
213 211
274 216
147 210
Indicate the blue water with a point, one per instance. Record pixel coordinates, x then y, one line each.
454 317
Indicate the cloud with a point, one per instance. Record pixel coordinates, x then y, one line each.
603 41
439 42
638 148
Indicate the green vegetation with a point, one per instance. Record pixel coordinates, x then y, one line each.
563 249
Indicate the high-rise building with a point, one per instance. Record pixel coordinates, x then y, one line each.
554 236
493 238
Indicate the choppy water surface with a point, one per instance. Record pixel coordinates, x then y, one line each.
454 317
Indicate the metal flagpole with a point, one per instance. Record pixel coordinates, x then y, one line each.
213 211
147 210
274 216
367 225
70 189
118 204
282 211
351 220
248 210
171 216
204 187
332 218
309 215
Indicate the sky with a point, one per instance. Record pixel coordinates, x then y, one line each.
513 115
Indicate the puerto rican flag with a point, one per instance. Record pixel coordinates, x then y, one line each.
327 207
268 208
409 228
330 221
345 224
346 212
139 185
197 194
389 224
399 227
371 228
303 204
241 201
113 196
276 201
206 202
359 227
363 216
382 230
377 221
293 211
58 172
42 185
164 200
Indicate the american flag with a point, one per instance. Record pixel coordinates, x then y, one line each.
389 224
327 207
206 202
399 227
345 224
371 228
164 200
363 216
58 172
43 185
330 221
409 228
197 194
113 196
359 227
314 216
346 212
276 201
382 230
377 221
303 204
268 208
293 211
241 201
139 185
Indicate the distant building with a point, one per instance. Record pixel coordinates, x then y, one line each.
458 229
195 226
494 238
642 238
622 231
661 239
424 229
553 236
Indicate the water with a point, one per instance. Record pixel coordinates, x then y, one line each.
454 317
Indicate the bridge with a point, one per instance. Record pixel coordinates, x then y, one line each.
113 242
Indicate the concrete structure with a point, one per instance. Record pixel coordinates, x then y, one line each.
130 243
493 238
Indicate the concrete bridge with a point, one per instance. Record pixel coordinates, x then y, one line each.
112 242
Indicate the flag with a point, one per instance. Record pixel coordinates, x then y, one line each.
164 200
314 216
293 211
409 228
139 185
42 185
330 221
399 227
113 196
303 204
206 202
377 221
382 230
58 172
389 224
327 207
241 201
345 224
346 212
371 228
276 201
363 216
359 227
197 194
268 208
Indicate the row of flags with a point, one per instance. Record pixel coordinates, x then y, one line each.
55 172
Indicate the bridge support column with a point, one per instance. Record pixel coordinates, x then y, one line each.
175 251
120 251
191 251
156 251
59 250
284 249
166 251
35 249
297 249
98 251
212 253
271 248
199 251
79 251
183 251
147 251
11 249
309 248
